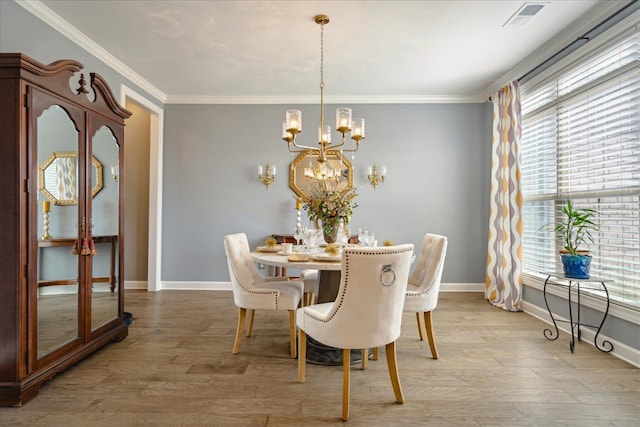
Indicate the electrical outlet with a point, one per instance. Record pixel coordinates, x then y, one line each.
260 266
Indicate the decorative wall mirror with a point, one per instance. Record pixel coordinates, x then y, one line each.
305 173
58 174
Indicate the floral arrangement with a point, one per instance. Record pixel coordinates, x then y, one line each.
330 207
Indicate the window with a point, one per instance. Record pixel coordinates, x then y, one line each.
581 141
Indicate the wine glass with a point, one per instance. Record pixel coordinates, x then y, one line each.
308 237
297 234
364 237
318 238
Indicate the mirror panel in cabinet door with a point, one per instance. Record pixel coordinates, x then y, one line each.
105 213
57 294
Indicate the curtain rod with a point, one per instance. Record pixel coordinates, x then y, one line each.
607 23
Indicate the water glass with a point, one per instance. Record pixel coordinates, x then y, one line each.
297 234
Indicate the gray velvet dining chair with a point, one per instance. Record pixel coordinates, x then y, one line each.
253 291
424 286
367 312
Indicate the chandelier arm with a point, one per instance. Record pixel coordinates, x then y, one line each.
334 146
351 150
304 147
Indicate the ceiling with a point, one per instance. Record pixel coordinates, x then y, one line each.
269 51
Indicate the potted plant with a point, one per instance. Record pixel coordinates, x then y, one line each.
574 231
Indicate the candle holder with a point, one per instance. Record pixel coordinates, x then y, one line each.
45 220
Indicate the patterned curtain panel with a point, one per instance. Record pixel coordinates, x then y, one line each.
66 178
503 282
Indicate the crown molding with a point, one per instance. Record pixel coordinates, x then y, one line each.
63 27
368 99
600 12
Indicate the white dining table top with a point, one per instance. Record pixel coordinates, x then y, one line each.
277 260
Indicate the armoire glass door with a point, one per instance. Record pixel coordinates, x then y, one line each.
56 290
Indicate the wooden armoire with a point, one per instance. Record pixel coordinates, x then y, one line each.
61 220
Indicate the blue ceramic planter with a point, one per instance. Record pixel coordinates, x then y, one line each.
576 266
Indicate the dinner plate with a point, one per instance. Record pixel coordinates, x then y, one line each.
276 248
326 257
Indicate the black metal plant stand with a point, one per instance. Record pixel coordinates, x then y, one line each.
575 284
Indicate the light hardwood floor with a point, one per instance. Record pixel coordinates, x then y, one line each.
176 369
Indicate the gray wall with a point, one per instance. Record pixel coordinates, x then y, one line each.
438 163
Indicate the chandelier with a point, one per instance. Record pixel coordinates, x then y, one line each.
322 173
292 124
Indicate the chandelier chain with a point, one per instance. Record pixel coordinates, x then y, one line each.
321 56
321 77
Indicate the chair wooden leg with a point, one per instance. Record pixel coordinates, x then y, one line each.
432 341
393 371
421 329
292 332
251 313
376 351
302 354
241 316
365 358
346 382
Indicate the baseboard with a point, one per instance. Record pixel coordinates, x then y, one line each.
135 284
226 286
462 287
194 286
620 350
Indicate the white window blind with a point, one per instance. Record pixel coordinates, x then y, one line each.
581 141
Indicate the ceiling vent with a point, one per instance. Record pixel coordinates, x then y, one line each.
525 14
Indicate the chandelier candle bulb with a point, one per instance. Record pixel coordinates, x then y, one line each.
324 134
286 135
358 129
293 118
343 120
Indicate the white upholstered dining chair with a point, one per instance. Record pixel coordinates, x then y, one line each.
253 291
311 282
367 312
424 286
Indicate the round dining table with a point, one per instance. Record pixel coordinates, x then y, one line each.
329 284
329 277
